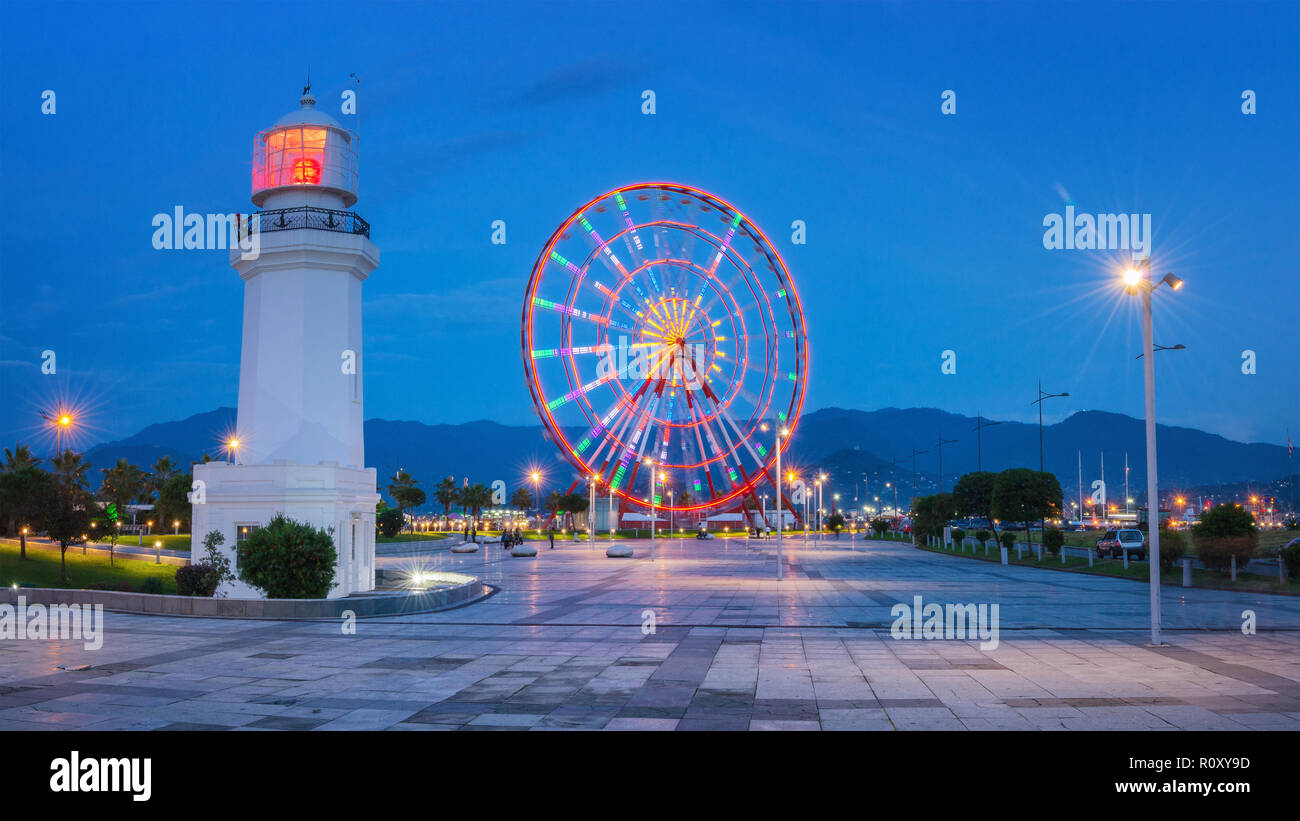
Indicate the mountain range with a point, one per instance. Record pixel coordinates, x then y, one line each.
849 445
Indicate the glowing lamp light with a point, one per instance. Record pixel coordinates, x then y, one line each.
306 171
1132 276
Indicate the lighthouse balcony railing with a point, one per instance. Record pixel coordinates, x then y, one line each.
306 216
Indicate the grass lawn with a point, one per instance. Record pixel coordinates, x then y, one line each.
1208 579
409 537
41 569
169 541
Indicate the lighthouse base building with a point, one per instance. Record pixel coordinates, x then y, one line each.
298 444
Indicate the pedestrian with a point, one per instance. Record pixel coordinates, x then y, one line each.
550 533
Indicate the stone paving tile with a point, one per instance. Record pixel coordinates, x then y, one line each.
561 647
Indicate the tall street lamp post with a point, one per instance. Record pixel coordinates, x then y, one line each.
779 433
980 424
1137 279
942 442
1039 403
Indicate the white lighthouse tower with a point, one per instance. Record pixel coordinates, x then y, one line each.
298 447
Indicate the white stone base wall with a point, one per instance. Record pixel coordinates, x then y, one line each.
325 495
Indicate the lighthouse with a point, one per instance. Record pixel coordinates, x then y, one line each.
298 446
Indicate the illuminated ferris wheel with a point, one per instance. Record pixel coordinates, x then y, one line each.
662 337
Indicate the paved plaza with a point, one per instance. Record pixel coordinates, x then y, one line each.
562 645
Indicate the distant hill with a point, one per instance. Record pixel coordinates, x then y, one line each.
847 444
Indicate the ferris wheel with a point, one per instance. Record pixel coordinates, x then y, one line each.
663 340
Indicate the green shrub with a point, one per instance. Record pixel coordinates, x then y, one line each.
1053 540
1217 553
197 580
1172 547
958 535
288 559
982 535
1008 539
1291 556
153 584
389 523
1224 532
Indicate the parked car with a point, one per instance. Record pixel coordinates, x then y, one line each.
1114 542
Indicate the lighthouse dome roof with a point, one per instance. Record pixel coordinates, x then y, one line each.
307 114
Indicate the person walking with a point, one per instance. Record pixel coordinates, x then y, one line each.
550 532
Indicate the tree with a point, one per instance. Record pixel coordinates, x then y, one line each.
446 494
474 499
1024 495
931 513
836 523
389 522
973 495
405 493
522 499
123 484
880 525
66 507
1223 532
22 490
173 502
289 559
571 504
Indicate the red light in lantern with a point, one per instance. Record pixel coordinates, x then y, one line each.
306 171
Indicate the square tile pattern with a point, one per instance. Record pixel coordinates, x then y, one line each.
703 638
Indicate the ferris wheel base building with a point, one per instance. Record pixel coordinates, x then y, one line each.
298 446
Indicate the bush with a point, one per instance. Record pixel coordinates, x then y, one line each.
958 535
288 559
389 523
880 525
1216 554
982 535
197 580
1008 539
1053 540
1224 532
1291 555
1172 547
151 585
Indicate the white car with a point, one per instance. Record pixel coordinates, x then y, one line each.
1115 542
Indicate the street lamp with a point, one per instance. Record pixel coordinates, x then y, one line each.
980 424
591 528
1039 403
779 433
61 420
537 502
1137 279
654 487
942 442
232 446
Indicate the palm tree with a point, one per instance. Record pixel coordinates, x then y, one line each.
522 499
474 498
18 458
446 494
405 493
163 470
123 484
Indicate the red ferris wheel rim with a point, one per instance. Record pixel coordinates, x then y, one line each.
768 389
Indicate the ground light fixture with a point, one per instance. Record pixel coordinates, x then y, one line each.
1137 280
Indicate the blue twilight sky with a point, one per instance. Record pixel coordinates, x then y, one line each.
924 231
